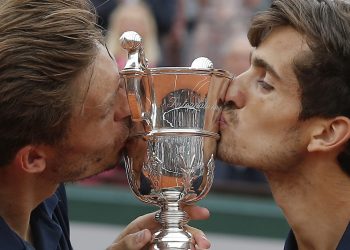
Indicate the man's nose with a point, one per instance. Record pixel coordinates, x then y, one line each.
236 93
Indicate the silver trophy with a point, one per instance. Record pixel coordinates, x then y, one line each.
170 153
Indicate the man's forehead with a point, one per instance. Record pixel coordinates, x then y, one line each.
99 83
281 46
286 39
104 70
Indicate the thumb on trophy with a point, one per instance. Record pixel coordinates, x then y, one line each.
135 241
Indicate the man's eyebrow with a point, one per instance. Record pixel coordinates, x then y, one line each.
259 62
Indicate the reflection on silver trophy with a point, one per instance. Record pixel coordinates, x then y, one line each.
170 153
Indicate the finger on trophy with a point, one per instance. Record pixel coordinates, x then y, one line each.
198 238
146 221
135 241
196 212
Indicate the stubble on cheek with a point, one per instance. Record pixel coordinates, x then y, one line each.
230 148
227 146
232 118
64 169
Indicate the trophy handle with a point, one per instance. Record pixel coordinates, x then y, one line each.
135 74
134 181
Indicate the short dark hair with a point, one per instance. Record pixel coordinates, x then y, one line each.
324 72
44 45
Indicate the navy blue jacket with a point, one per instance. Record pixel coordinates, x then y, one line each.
49 224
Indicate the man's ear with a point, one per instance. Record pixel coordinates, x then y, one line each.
330 134
31 159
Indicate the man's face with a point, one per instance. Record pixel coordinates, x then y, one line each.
259 125
99 126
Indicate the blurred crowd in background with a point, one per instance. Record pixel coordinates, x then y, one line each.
174 33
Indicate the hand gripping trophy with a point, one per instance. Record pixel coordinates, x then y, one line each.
170 153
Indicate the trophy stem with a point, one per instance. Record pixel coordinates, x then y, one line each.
172 234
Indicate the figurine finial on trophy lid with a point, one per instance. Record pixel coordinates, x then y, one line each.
202 63
132 42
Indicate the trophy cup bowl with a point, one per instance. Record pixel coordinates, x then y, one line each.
170 152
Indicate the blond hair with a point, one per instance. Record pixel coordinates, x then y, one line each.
44 45
135 12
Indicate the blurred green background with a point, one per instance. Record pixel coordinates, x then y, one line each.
239 214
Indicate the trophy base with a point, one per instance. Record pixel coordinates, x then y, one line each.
168 240
173 246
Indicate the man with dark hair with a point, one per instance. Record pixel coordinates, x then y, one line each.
289 116
63 117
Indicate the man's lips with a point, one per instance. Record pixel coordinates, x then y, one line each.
222 121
